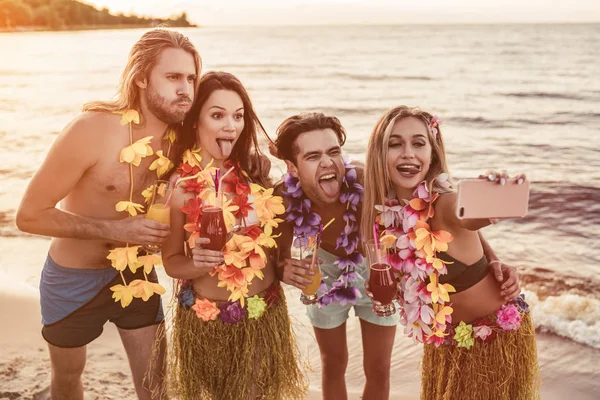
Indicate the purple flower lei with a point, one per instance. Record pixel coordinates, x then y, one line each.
306 223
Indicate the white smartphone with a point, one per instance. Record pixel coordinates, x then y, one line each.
480 198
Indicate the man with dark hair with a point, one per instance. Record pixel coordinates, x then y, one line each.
319 187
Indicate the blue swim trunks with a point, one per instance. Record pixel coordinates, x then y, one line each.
334 314
76 303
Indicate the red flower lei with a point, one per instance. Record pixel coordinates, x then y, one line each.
244 254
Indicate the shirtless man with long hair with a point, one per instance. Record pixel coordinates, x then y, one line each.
86 172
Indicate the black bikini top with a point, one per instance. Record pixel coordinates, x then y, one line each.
463 276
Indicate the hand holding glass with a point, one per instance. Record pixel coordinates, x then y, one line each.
308 254
212 226
382 283
159 209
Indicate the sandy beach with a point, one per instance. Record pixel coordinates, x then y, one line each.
25 366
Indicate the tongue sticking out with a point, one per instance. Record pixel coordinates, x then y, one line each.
408 170
331 187
225 146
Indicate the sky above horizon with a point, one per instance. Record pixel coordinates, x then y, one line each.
306 12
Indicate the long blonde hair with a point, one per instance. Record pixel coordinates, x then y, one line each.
142 58
378 185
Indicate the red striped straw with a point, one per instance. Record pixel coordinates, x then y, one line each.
218 186
376 239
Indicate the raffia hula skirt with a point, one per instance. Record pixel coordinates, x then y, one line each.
490 363
225 351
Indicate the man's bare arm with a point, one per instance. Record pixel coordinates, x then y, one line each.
76 150
288 270
489 253
505 274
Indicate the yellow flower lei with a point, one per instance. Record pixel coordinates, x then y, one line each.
127 257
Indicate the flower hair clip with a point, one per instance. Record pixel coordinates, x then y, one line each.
434 124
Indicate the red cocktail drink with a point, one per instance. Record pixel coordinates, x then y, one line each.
382 284
212 226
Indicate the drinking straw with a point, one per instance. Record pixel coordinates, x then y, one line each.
216 181
327 224
318 237
319 233
168 201
316 246
314 257
300 247
376 239
218 186
196 175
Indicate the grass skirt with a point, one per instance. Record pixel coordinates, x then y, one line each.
254 359
503 369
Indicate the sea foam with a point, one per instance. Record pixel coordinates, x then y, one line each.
569 315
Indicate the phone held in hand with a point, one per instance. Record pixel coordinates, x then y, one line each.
480 198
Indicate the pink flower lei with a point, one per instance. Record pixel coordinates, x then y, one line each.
425 310
424 301
307 223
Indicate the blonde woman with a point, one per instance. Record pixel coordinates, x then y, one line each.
477 344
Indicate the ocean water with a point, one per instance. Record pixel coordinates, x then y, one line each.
525 98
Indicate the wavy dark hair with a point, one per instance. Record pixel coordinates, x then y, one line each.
246 150
285 147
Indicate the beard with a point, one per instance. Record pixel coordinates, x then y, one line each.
161 109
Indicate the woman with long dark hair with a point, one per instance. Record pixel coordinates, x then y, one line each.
232 337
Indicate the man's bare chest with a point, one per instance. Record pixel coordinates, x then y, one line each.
115 180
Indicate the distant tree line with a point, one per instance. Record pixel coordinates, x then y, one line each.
62 14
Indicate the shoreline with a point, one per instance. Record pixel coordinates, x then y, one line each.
76 28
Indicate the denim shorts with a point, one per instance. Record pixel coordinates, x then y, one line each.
76 303
334 314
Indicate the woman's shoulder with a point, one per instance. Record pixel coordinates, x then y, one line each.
175 178
446 199
180 194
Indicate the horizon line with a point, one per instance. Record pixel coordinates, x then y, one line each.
199 25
